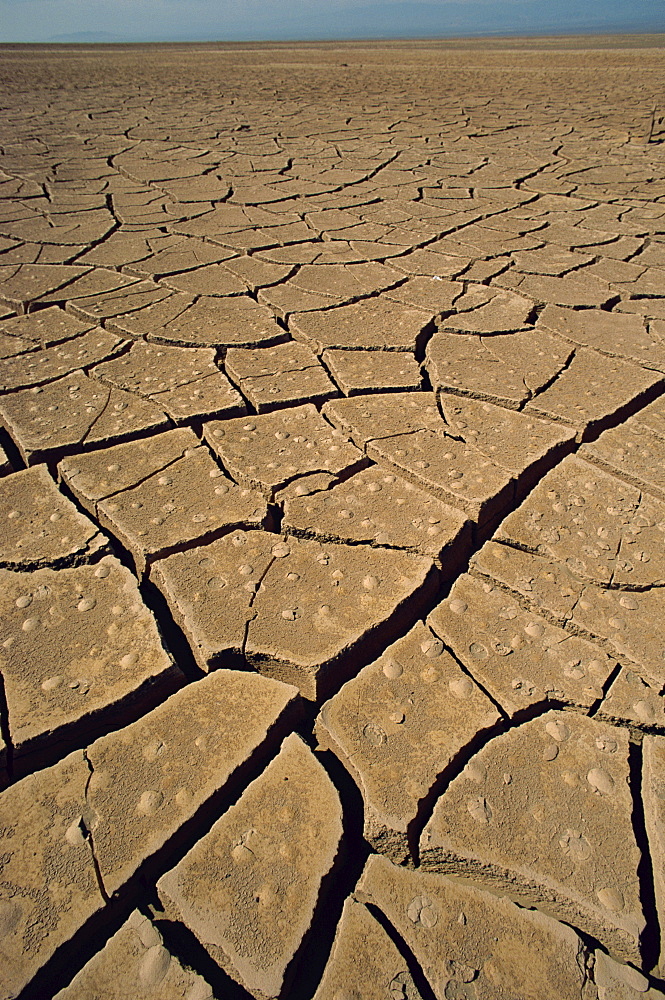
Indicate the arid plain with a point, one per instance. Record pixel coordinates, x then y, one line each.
332 562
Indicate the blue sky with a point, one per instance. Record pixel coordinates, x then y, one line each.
238 20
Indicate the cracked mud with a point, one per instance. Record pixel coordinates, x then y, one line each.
332 435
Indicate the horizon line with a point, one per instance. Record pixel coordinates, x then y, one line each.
67 39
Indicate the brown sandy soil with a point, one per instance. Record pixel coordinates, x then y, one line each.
331 473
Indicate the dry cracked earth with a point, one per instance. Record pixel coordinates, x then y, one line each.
333 510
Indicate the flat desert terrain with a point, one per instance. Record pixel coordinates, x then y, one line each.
332 492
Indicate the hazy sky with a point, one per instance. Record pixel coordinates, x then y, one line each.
237 20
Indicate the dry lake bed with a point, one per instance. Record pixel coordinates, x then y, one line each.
332 493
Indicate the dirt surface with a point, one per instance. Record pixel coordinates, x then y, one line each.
332 430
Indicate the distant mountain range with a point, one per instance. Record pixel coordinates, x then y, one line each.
90 37
106 38
380 19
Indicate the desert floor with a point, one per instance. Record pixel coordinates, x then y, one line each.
332 563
